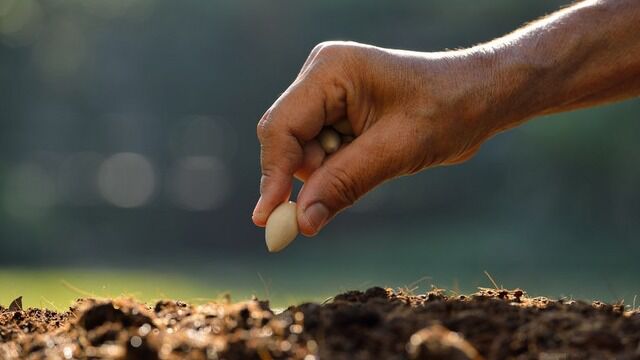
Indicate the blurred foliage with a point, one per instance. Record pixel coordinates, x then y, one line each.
127 138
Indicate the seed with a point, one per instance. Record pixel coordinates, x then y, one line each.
282 227
329 139
343 127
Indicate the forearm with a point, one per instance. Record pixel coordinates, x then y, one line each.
581 56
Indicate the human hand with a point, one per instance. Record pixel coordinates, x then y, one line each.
408 110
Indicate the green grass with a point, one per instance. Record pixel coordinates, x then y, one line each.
59 288
298 278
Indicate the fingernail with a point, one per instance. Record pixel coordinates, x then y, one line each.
257 211
317 214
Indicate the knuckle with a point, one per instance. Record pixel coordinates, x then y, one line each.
328 47
267 177
264 127
333 49
268 173
332 62
344 187
331 52
280 157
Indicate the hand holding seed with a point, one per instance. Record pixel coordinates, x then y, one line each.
413 110
282 225
359 115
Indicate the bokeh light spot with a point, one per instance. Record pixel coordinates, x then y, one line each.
126 180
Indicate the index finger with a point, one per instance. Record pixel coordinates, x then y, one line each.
295 118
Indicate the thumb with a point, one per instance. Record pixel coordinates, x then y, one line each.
342 179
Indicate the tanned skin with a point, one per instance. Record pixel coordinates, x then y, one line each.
415 110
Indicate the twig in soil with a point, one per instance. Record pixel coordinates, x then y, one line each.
330 298
455 288
68 285
491 279
265 286
408 291
417 282
49 302
633 307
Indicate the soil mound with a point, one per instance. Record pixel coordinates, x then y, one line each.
375 324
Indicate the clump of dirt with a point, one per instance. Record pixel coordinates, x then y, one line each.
375 324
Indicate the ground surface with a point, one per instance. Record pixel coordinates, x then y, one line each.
376 324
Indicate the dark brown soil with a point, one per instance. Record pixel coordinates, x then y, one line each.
375 324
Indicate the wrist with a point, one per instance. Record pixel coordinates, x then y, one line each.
481 86
509 88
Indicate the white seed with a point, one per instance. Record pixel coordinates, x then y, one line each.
282 227
329 139
343 127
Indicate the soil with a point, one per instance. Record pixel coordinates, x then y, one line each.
375 324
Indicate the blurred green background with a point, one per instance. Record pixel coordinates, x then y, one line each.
129 163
